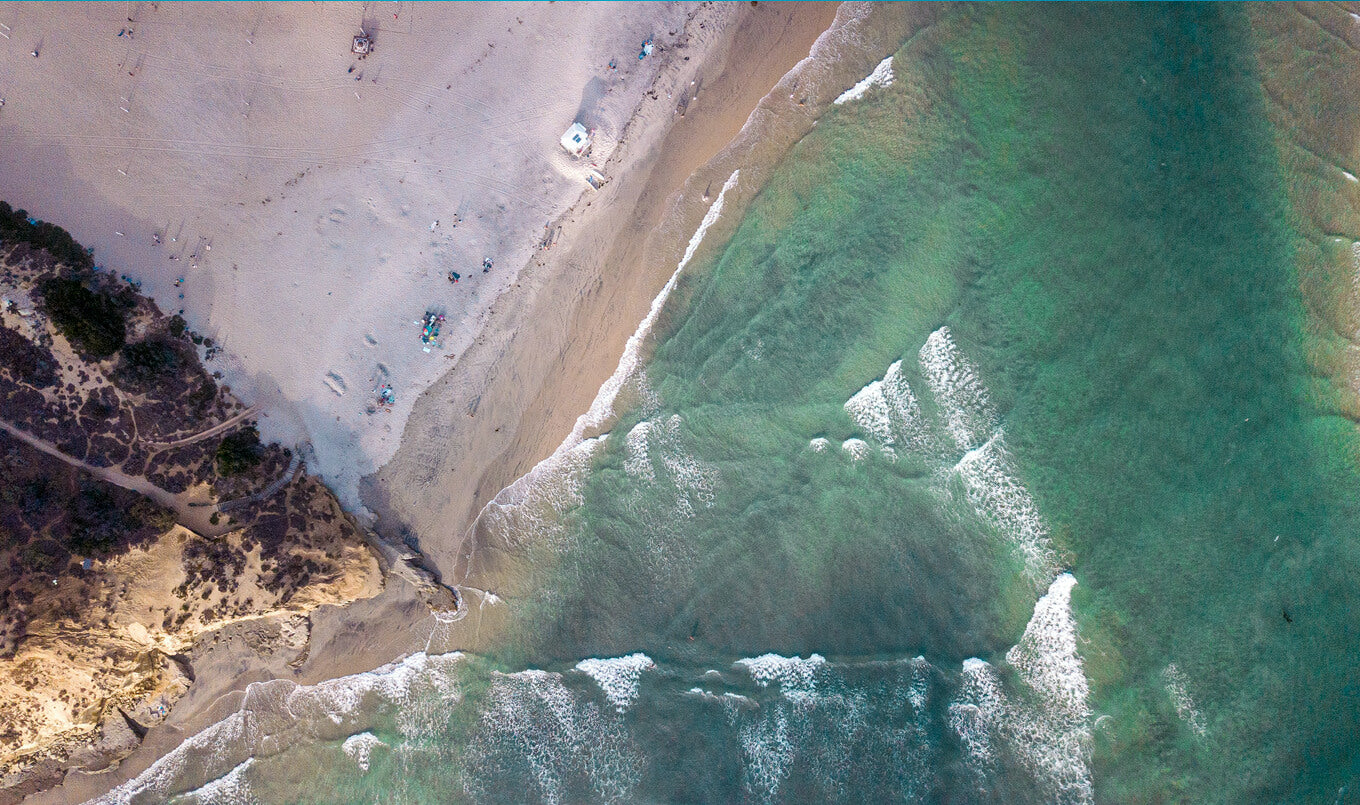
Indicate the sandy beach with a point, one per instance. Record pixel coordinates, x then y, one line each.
303 205
329 199
554 339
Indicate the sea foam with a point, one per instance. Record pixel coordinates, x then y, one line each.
857 449
953 379
571 750
618 677
796 676
768 751
882 76
868 409
637 460
889 413
977 710
560 471
988 475
602 408
277 713
1054 735
1048 730
231 788
359 748
1177 688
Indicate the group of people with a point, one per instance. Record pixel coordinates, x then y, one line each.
432 323
454 276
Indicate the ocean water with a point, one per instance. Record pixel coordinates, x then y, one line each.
984 463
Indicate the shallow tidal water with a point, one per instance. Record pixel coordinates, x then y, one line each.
984 463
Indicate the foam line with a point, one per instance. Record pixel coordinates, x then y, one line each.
882 76
953 379
618 677
630 366
603 405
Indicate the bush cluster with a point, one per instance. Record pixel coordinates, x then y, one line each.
239 452
92 321
14 226
145 364
27 361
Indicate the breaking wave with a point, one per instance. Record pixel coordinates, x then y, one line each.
1055 736
857 449
278 713
1177 687
882 76
797 677
602 408
1047 727
953 379
889 414
359 748
618 677
537 738
989 481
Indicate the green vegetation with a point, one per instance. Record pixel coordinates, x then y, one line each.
25 360
98 522
14 226
147 363
91 320
147 514
239 452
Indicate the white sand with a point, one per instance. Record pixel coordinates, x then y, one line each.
550 341
316 188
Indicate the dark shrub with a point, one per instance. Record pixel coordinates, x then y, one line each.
146 364
27 361
96 521
239 452
14 226
92 322
147 515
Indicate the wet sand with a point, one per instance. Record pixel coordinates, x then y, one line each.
541 351
553 339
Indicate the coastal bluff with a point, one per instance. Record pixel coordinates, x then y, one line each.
141 517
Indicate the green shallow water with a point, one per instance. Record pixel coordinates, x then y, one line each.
1070 226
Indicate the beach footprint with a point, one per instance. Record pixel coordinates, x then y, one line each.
336 383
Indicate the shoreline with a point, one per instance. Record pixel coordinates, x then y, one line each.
371 633
492 428
843 59
659 187
277 184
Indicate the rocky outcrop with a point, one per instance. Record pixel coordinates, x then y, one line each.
139 515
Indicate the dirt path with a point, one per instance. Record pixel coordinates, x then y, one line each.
221 427
267 492
195 518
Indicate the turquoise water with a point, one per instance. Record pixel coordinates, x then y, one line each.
982 464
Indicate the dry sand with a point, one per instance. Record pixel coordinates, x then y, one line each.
296 196
536 354
553 339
